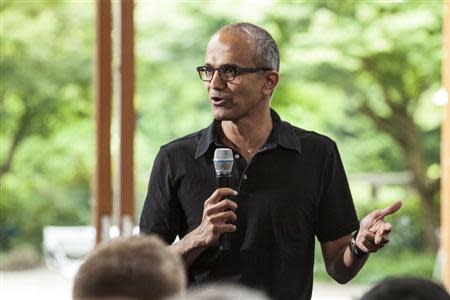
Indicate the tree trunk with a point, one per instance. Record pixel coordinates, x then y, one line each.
18 137
402 129
426 193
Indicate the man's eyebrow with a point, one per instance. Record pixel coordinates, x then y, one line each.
228 65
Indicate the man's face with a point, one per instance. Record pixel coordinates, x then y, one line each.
242 96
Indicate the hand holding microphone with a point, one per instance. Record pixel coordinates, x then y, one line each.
219 209
223 164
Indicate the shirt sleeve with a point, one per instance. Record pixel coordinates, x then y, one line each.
337 216
161 213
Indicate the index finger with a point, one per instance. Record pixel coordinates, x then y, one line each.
220 193
388 210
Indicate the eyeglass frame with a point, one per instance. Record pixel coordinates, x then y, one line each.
238 71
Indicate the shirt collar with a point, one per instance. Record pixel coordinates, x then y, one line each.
282 134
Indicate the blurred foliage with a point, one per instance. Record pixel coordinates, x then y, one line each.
336 57
46 117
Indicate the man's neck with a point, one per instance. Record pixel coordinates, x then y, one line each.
248 134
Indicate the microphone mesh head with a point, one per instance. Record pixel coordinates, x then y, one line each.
223 161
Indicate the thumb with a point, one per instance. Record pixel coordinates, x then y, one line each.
388 210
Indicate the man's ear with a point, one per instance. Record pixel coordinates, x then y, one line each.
272 78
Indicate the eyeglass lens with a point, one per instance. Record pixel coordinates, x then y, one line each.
226 72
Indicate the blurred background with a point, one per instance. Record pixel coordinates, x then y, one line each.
366 73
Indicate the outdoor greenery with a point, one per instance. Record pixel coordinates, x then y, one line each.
361 72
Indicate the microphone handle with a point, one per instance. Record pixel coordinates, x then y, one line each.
225 239
223 181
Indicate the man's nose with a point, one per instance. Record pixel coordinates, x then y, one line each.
216 81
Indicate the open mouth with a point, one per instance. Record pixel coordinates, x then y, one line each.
218 101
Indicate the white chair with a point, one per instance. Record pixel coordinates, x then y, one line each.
65 247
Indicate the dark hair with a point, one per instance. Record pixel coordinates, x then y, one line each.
406 288
267 54
139 267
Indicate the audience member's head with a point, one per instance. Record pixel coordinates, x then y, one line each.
222 291
406 288
140 267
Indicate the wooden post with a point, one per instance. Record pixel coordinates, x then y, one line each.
445 154
127 115
103 96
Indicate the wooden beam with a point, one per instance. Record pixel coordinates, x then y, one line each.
445 154
127 114
103 96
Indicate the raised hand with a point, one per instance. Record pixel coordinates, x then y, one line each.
374 230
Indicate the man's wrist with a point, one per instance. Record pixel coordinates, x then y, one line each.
354 249
194 240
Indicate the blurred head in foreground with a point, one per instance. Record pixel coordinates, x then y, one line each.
222 291
406 288
140 267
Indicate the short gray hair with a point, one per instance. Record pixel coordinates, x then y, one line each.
140 267
267 54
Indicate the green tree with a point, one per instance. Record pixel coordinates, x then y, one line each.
47 82
385 58
46 115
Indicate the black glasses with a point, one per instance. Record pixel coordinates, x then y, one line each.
226 72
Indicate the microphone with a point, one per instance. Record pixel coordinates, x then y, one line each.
223 164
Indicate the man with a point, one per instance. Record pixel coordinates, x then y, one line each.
139 267
289 184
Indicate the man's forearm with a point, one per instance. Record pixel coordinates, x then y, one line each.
188 248
346 266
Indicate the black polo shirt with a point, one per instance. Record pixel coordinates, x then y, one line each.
294 188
